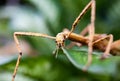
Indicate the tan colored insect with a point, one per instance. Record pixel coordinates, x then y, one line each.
102 42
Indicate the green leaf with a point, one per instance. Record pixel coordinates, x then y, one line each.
78 57
6 76
43 68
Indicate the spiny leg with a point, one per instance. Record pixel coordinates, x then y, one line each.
91 35
107 50
19 49
80 16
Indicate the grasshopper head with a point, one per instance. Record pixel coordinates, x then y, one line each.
60 39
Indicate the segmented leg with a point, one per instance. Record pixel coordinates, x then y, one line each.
80 16
91 35
91 29
107 50
19 49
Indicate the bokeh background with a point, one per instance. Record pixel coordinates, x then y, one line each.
49 17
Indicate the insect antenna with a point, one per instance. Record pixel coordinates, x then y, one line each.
55 52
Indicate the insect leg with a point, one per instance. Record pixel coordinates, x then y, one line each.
107 50
19 49
91 35
80 16
83 33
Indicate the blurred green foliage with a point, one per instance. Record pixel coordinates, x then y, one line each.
51 17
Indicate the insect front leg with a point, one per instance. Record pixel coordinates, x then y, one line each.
19 49
19 57
80 16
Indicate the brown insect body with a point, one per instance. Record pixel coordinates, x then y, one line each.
102 42
115 48
76 37
101 45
